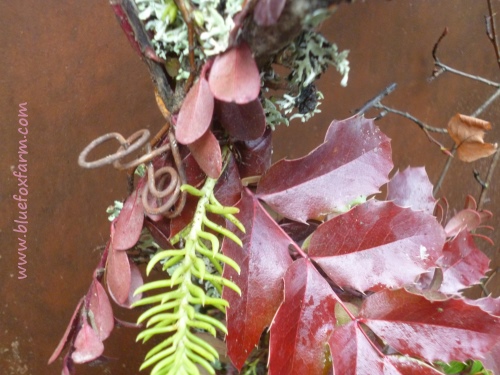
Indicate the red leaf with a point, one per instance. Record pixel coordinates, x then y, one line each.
354 161
377 244
489 304
263 260
412 188
160 231
228 187
128 224
234 76
430 330
244 122
88 346
101 309
492 359
465 219
118 276
68 334
267 12
196 113
135 282
352 354
303 323
463 264
207 153
255 156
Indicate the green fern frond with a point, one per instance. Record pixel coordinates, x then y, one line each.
175 304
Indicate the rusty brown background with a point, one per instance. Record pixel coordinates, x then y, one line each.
73 66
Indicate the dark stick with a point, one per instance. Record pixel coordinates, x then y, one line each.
376 100
491 31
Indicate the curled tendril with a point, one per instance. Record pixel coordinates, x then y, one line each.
171 195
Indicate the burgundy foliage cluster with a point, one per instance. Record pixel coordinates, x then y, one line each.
344 285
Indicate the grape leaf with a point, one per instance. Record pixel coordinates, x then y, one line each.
354 161
263 260
430 330
412 188
101 309
207 153
267 12
234 76
303 323
88 346
353 353
128 224
377 244
243 122
196 113
463 263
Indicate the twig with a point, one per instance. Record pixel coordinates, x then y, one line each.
425 128
491 31
376 100
421 124
487 182
445 68
186 15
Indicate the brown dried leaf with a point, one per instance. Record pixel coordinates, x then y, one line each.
468 134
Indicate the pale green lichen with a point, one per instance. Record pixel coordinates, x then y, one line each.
170 32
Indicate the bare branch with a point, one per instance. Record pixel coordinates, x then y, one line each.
491 31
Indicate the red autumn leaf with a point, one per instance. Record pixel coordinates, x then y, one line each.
196 113
267 12
68 368
87 344
101 310
354 161
492 359
135 282
377 244
412 188
430 330
128 224
489 304
303 323
243 122
468 134
118 275
228 187
234 76
298 231
180 222
263 260
255 156
463 264
160 231
207 153
68 334
465 219
352 354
